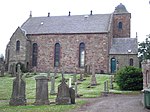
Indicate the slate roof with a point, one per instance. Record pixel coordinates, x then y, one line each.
97 23
123 45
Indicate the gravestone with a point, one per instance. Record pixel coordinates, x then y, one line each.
14 70
72 95
52 91
63 95
49 75
111 82
2 71
41 91
81 74
93 79
74 78
18 96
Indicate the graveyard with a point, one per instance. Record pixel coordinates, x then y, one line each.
85 89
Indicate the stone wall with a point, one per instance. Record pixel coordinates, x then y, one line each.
123 60
96 45
15 56
125 19
146 73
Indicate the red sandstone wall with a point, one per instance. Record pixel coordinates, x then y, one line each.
96 45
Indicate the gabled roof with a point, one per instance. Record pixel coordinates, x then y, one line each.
97 23
124 46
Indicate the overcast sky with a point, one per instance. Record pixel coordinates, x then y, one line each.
15 12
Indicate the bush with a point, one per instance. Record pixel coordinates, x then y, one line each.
129 78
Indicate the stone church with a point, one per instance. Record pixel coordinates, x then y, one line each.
74 42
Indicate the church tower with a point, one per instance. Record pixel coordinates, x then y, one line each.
121 22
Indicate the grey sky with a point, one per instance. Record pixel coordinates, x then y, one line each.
15 12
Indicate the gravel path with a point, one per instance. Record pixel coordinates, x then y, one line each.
114 103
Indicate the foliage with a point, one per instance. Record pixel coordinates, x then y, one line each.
144 49
129 78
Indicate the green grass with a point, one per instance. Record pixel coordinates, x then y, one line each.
4 107
92 92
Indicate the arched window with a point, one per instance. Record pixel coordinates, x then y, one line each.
81 54
34 54
57 55
131 62
120 25
18 46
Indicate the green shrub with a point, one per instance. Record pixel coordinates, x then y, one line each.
129 78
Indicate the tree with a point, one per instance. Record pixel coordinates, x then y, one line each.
144 49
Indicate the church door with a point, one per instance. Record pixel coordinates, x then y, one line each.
113 65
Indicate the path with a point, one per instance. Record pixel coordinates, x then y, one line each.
114 103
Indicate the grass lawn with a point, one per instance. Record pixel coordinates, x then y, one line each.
6 91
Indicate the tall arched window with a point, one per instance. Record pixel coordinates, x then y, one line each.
131 62
57 55
34 54
18 46
81 54
120 25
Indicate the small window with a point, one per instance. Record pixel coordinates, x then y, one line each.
34 54
131 62
81 55
120 25
57 55
18 46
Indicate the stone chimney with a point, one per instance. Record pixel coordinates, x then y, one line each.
69 13
91 12
48 14
30 14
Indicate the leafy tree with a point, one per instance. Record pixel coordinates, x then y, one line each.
144 49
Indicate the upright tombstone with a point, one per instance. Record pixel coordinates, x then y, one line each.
2 71
111 82
41 91
93 79
81 74
18 96
49 75
14 70
52 91
74 78
72 95
63 95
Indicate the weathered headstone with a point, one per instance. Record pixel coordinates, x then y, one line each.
52 91
49 75
93 79
106 88
55 72
111 82
72 95
81 74
76 90
74 78
41 91
18 96
14 70
2 71
63 95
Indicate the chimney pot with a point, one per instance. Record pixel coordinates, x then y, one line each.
69 13
30 14
48 14
91 13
